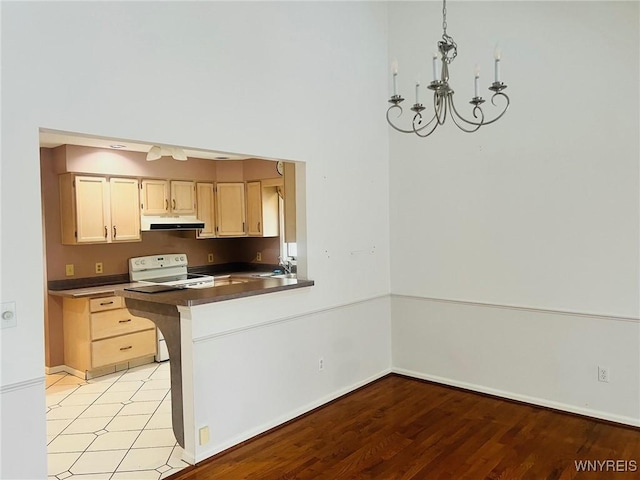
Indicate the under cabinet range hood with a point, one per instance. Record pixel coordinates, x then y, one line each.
149 223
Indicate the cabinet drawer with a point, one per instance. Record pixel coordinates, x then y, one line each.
105 303
117 322
123 348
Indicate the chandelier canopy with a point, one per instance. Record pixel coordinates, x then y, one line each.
443 104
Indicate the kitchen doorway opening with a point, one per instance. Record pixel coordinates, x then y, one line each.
89 421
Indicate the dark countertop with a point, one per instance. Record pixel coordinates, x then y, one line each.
226 287
236 286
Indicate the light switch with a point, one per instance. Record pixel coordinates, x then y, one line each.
8 316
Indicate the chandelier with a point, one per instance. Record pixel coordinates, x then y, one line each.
443 104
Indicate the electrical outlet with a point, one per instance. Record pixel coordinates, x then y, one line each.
603 374
99 267
259 256
321 364
69 270
204 435
210 257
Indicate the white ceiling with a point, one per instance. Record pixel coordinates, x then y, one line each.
53 138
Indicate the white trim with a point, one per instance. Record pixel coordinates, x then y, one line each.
220 447
287 319
54 370
587 412
600 316
12 387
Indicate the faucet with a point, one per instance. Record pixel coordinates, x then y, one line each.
286 264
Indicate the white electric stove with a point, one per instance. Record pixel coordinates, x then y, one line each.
169 270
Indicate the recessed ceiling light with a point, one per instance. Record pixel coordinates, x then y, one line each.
222 158
117 146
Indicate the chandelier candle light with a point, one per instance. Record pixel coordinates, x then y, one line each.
443 104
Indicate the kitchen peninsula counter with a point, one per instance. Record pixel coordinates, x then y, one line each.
236 286
177 312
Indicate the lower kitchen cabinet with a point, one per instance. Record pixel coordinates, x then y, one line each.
100 333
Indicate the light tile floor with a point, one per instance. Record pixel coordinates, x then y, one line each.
114 427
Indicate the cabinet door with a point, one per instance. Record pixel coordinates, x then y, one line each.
254 209
155 197
183 198
230 210
92 209
125 210
205 210
289 202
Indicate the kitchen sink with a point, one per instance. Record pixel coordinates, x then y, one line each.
229 281
275 275
222 280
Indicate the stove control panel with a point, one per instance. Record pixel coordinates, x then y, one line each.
153 262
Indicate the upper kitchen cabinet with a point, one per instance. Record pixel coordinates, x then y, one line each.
154 197
262 209
230 209
91 213
160 197
84 209
205 211
183 197
289 202
125 210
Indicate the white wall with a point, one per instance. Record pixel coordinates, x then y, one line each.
297 81
539 210
253 372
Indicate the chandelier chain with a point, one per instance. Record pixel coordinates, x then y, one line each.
444 17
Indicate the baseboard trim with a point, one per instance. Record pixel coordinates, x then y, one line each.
13 387
600 316
222 448
541 402
54 370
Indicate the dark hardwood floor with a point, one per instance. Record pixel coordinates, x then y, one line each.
400 428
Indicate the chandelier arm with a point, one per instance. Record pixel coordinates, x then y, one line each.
435 125
500 94
418 115
414 130
454 114
391 123
440 108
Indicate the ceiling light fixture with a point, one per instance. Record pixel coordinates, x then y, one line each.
157 152
443 94
117 146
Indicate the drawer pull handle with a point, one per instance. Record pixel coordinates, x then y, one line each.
124 321
127 348
106 303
